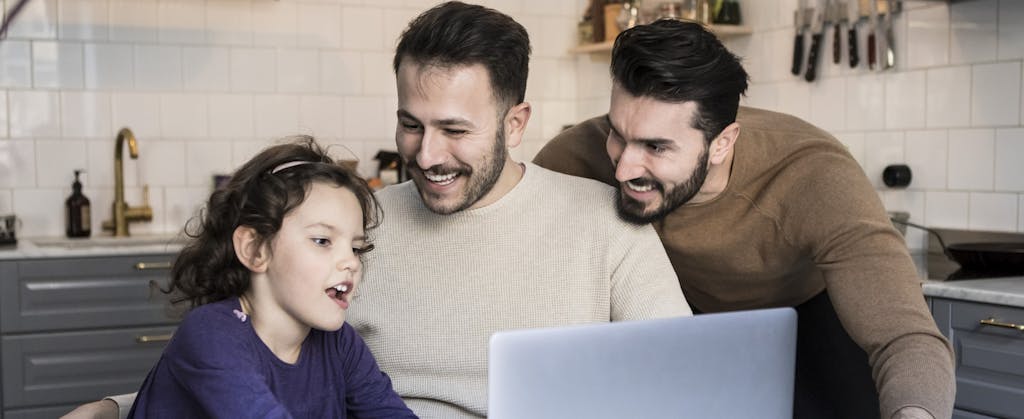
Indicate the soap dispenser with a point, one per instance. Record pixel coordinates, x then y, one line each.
79 218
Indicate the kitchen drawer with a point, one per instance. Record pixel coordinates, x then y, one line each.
962 414
65 294
72 367
990 359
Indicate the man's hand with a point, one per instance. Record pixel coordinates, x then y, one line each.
912 412
103 409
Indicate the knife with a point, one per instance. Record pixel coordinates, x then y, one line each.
889 60
872 46
838 18
800 22
852 40
817 32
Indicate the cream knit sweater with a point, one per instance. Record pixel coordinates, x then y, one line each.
550 252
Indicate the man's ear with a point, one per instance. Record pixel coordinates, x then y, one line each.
722 145
515 123
247 249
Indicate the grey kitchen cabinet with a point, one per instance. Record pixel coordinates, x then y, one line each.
989 356
73 330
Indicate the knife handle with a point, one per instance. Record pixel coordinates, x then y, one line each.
871 50
837 44
798 53
812 57
854 56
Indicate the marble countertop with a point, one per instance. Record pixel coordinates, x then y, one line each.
1008 291
59 247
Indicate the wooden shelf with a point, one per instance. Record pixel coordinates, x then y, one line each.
723 31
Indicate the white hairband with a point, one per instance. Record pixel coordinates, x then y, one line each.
283 166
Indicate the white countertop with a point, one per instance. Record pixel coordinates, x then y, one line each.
59 247
1008 291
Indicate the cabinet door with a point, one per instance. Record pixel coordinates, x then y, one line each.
990 359
79 293
74 367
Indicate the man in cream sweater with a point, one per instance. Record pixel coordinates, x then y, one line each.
477 242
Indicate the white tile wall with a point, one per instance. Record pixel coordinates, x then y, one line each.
926 154
1009 170
946 209
973 26
82 19
15 63
946 89
57 65
993 211
85 114
3 114
995 97
971 153
34 113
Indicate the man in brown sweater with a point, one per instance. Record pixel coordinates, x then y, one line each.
760 209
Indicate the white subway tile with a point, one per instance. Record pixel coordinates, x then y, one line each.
993 211
298 71
204 159
776 56
34 113
945 104
183 116
182 204
882 149
865 107
3 114
592 79
162 163
762 95
558 35
362 28
516 7
6 201
139 112
926 154
905 95
1020 213
41 211
928 36
395 21
243 150
108 66
86 114
1009 154
229 22
946 209
82 19
1011 29
555 115
57 65
275 24
158 67
37 20
364 119
275 115
543 80
321 116
589 108
101 164
795 98
996 98
133 20
378 76
971 153
181 22
828 104
253 70
230 117
913 203
15 63
319 25
57 160
973 31
17 164
341 72
206 69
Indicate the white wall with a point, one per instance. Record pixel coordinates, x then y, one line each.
951 108
206 84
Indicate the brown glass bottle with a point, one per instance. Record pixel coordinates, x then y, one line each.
78 215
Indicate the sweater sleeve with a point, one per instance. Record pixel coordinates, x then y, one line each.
643 283
368 390
837 217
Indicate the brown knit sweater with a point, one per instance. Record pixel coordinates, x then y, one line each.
798 216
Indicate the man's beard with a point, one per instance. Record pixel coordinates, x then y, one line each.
478 184
632 210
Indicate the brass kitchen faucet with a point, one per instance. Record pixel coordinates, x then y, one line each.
122 212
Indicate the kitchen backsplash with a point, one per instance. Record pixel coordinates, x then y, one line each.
205 84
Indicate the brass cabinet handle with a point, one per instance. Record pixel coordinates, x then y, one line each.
991 321
142 266
153 338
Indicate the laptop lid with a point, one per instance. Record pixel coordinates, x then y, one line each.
724 365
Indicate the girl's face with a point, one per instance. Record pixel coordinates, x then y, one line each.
314 266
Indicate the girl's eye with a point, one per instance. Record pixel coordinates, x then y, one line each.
362 250
320 241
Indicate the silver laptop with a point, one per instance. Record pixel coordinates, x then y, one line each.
726 365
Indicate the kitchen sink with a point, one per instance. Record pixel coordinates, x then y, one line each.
103 242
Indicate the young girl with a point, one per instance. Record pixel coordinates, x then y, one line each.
269 274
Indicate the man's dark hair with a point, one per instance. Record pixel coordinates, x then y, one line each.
677 61
459 34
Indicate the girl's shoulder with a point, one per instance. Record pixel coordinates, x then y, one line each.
211 325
